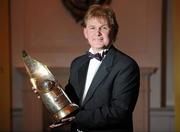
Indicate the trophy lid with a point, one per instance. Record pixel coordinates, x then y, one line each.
36 69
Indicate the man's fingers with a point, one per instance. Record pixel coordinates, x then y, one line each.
63 121
68 119
36 92
56 125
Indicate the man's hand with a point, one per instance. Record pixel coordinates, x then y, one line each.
35 90
63 122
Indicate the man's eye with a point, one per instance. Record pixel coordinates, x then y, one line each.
91 28
104 27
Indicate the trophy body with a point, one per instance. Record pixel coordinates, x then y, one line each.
51 93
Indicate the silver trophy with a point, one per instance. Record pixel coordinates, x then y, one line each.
51 93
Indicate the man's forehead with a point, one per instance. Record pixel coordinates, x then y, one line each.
100 20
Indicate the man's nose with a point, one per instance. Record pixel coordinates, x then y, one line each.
99 32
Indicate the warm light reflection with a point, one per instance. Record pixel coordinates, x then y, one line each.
33 81
42 70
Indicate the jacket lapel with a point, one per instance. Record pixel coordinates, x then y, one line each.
82 77
102 72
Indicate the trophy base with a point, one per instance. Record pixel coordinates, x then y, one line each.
64 112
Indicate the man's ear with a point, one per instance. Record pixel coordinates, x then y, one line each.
85 32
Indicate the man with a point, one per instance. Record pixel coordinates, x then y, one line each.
104 85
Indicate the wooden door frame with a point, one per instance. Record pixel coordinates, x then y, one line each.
5 66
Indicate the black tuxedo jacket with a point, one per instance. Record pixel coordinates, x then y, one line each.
112 95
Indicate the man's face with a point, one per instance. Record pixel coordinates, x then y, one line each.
97 33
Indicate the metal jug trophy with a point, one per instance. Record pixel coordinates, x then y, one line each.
52 94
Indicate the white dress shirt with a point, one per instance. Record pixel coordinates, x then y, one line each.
92 69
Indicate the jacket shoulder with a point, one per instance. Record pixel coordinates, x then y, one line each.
122 57
79 59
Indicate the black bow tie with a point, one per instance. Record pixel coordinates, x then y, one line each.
97 56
